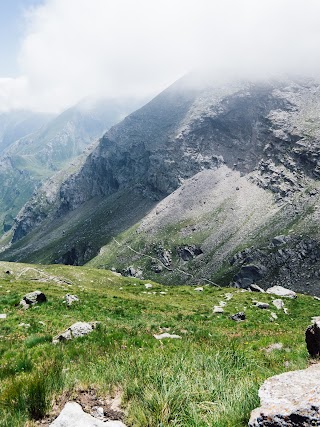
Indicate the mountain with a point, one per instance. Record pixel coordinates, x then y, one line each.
208 182
17 124
29 160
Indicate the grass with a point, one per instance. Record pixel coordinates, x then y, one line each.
210 377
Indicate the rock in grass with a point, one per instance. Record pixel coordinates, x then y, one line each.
313 338
238 317
255 288
291 399
70 299
166 335
36 297
281 292
262 305
78 329
278 303
72 415
3 316
199 289
148 285
218 309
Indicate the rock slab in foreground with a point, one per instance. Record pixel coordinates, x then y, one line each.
72 415
281 292
291 399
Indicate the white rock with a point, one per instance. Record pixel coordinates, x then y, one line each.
148 285
70 299
222 303
228 296
24 325
273 316
199 289
262 305
72 415
289 399
3 316
166 335
278 303
217 309
78 329
281 292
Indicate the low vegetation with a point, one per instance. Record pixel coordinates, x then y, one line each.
209 377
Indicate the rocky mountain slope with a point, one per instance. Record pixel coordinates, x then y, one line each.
206 183
29 160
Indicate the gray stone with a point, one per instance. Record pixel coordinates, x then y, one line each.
148 285
72 415
255 288
279 240
36 297
249 274
166 335
217 309
278 303
70 299
238 316
3 316
291 399
199 289
281 292
78 329
263 305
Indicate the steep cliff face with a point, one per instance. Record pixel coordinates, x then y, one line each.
28 161
224 167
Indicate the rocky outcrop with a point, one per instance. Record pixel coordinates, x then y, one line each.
291 399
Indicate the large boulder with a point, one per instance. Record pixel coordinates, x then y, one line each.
32 298
280 291
249 274
72 415
78 329
313 338
291 399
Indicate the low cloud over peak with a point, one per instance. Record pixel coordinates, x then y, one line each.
124 48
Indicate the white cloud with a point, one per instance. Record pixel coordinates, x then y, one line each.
73 48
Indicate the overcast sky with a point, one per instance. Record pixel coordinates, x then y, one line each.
55 52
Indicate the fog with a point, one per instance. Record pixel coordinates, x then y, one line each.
136 48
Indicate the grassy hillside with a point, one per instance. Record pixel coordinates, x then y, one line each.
209 377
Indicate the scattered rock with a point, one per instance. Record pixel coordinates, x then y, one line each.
278 303
279 240
24 325
291 399
3 316
78 329
70 299
317 298
273 316
72 415
132 272
272 347
217 309
281 292
313 338
199 289
262 305
36 297
148 286
186 253
238 316
97 412
255 288
166 335
228 296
